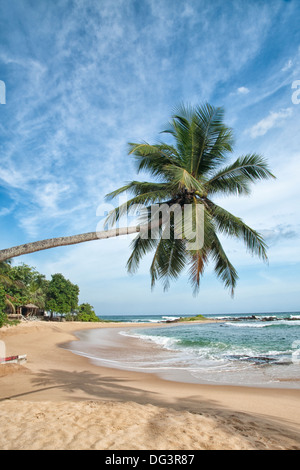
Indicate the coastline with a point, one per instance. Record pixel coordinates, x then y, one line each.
87 406
127 349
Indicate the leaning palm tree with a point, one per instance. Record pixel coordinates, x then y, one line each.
191 172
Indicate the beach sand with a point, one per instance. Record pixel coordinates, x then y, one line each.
59 400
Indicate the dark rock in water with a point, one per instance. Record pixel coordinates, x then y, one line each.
262 359
282 363
252 317
254 359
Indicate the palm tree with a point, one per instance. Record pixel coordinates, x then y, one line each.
188 173
4 271
5 281
191 173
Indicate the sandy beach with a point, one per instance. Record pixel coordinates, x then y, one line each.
59 400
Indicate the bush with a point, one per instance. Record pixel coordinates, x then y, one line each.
3 316
86 313
195 318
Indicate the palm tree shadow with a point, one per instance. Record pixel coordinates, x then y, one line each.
97 387
94 385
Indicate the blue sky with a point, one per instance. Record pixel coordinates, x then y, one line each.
84 77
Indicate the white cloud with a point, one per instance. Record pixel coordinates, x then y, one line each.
112 74
287 66
274 119
243 90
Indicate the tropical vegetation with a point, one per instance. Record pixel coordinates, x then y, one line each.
189 171
22 284
192 170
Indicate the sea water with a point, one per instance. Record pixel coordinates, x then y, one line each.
247 349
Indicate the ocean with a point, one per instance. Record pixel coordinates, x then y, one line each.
240 349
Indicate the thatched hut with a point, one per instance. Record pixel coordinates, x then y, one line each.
31 310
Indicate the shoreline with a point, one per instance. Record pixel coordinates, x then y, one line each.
108 348
65 388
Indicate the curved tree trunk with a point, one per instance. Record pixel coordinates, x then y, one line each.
63 241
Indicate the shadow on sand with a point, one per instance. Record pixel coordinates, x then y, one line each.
85 385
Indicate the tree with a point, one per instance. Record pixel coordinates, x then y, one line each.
86 313
188 173
62 295
5 281
27 285
3 316
8 284
4 272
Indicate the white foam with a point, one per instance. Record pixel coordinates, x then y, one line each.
249 325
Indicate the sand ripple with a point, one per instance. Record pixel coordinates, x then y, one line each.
128 426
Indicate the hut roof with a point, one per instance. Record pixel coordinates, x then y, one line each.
30 306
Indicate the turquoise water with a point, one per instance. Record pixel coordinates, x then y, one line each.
253 350
247 349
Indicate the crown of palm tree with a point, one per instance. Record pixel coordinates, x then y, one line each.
192 172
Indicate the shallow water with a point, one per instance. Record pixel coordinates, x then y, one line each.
240 350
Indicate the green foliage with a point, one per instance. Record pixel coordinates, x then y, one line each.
62 295
86 313
190 173
3 316
28 285
23 284
195 318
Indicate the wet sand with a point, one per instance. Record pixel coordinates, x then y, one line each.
59 400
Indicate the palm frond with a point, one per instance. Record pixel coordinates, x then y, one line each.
197 265
223 267
182 179
180 129
136 204
231 225
10 305
169 261
138 188
187 173
140 247
4 279
236 178
201 137
153 158
212 139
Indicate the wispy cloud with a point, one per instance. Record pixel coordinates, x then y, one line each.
287 66
96 75
274 119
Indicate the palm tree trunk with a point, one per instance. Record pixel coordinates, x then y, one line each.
63 241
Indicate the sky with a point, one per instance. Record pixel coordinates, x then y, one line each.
82 78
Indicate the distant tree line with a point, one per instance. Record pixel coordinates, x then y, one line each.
22 285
